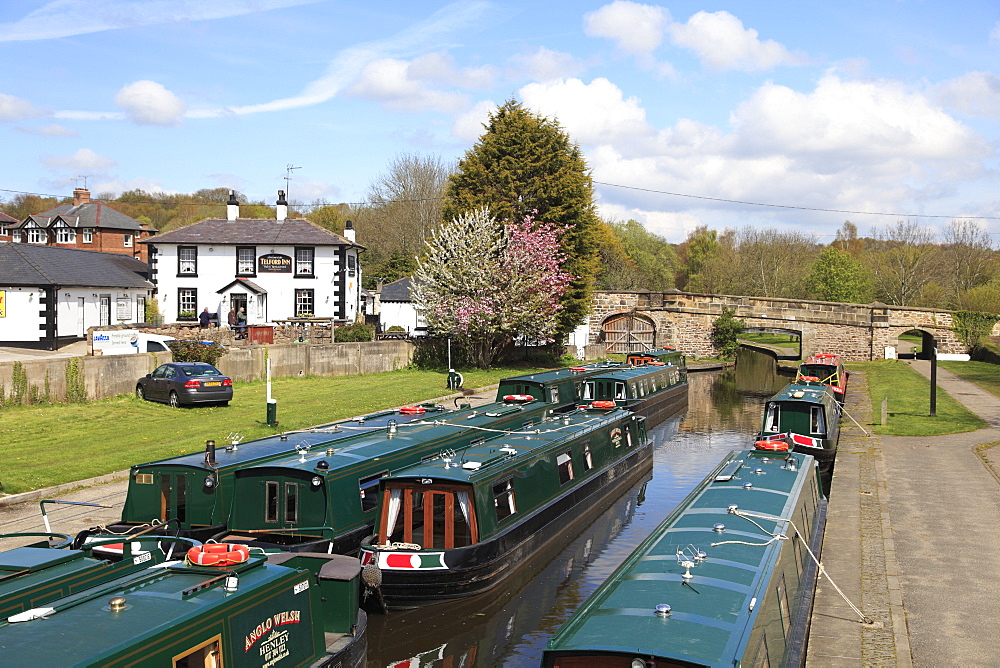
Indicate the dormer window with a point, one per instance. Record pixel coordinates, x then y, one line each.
65 234
36 236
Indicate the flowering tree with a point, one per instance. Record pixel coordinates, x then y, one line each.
488 283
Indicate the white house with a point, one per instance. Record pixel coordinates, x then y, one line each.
273 269
396 308
49 296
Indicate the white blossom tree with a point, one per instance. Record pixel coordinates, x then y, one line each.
488 282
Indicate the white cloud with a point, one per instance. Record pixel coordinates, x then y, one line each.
390 82
591 113
15 109
149 103
64 18
468 126
119 186
545 65
634 27
82 159
722 43
440 68
995 33
974 93
52 130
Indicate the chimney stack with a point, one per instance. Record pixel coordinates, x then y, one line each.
281 210
232 206
349 231
81 196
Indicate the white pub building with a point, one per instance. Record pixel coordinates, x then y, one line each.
272 269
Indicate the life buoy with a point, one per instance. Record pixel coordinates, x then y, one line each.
813 379
577 369
518 398
218 554
412 410
603 404
771 446
656 363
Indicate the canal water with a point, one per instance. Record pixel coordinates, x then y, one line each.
510 626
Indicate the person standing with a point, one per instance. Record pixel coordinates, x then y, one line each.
232 317
241 322
204 318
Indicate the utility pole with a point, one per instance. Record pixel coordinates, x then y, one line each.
288 178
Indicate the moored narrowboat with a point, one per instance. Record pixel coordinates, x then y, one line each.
653 389
459 525
806 417
726 580
827 369
249 611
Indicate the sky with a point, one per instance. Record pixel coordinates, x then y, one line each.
773 115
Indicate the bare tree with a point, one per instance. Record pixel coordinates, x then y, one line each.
968 253
903 260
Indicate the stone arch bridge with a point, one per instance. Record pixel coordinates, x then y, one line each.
684 320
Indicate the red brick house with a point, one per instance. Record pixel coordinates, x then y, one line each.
84 225
6 222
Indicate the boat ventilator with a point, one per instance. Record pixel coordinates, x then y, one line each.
775 537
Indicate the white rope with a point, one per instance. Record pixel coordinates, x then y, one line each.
780 536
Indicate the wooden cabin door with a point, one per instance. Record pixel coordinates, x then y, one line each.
628 332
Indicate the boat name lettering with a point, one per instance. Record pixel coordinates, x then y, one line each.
275 648
288 617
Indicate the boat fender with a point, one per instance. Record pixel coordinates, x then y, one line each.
603 404
412 410
518 398
218 554
771 446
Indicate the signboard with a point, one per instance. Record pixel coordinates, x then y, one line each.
116 341
274 263
3 303
124 310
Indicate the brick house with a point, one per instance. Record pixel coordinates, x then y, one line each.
6 222
85 225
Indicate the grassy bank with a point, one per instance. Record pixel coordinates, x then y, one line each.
986 376
909 402
50 445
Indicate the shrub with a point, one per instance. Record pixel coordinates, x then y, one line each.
357 332
196 351
726 329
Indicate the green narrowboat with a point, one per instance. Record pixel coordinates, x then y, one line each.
726 580
650 386
805 416
828 369
459 525
195 492
280 610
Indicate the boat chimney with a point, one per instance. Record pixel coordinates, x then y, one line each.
281 210
232 207
210 453
349 232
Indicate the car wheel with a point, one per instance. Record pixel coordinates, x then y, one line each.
223 403
175 401
139 392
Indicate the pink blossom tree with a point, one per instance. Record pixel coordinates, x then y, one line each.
489 283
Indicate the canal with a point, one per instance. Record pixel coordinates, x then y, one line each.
510 626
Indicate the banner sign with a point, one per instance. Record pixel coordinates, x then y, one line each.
274 263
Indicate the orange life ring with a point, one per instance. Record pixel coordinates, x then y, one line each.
603 404
577 368
518 398
814 379
656 363
412 410
771 446
218 554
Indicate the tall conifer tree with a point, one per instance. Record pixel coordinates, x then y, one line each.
526 165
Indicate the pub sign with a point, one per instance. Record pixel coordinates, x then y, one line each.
274 263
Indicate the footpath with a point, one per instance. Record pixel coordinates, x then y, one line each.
911 540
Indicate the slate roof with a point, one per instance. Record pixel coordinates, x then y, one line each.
252 232
397 291
4 218
88 214
31 265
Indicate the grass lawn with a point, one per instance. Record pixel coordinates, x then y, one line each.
909 402
49 445
983 374
767 339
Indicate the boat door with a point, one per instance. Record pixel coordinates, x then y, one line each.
282 503
173 496
432 517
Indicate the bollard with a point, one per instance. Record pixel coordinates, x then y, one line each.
885 411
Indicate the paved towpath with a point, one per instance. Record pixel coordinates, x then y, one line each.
912 538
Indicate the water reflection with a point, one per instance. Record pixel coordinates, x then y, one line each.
510 626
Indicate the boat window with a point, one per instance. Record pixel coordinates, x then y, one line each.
565 463
206 655
291 502
270 502
772 417
369 491
503 499
817 425
620 390
554 395
588 390
628 437
782 594
588 458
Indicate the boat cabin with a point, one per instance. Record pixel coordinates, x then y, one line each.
666 355
806 413
827 369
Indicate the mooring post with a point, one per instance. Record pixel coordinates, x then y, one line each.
885 411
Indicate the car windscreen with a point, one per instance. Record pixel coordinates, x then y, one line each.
206 370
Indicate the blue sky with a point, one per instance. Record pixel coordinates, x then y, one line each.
870 107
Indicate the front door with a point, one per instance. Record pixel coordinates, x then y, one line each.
105 309
238 300
81 326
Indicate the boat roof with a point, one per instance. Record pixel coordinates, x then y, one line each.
812 392
555 376
655 352
824 358
628 372
710 620
83 631
227 457
509 450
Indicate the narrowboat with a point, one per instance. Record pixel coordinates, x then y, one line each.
195 491
828 369
653 389
805 416
459 525
725 580
246 610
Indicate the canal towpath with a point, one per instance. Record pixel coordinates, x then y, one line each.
910 540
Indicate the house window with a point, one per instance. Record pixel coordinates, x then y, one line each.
352 265
36 236
304 261
246 260
187 304
65 235
304 304
16 236
187 260
88 236
128 240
